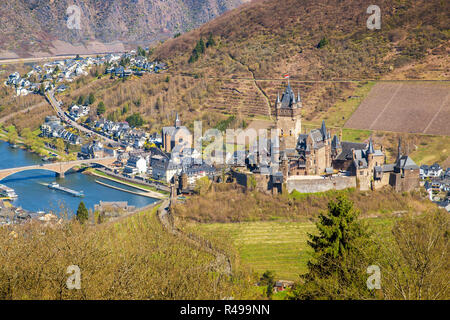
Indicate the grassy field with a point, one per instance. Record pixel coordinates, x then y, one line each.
277 246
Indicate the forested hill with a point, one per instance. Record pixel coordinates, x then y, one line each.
316 39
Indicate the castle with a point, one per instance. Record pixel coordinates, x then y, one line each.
317 153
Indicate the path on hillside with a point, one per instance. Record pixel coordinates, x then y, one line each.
222 262
269 109
12 115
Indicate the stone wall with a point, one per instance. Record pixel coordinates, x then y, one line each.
320 185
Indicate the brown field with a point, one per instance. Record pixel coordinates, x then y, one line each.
405 107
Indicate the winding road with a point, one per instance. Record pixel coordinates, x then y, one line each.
50 95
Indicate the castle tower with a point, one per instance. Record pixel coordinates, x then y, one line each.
288 117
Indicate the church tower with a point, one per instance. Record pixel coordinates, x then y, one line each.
288 117
177 121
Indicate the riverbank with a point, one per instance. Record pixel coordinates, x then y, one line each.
34 196
149 194
21 144
156 193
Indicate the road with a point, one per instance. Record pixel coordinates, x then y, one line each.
54 103
50 58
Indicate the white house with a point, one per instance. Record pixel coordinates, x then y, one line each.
432 171
138 162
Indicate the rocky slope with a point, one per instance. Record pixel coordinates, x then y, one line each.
37 27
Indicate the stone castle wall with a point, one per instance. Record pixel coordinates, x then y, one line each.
320 185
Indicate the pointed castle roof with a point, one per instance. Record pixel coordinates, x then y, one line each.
323 130
288 99
370 149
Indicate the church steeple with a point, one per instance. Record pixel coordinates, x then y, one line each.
177 121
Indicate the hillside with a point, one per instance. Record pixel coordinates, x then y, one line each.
260 41
35 258
39 27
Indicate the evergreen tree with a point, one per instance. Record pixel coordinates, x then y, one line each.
82 213
101 108
337 263
210 42
323 42
91 98
135 120
268 280
201 46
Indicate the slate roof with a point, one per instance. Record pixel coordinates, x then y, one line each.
347 147
288 98
388 167
405 162
335 143
360 159
317 138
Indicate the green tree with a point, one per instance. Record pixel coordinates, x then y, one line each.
60 145
101 109
201 46
91 98
29 137
82 213
337 267
199 49
80 100
210 42
323 42
268 280
135 120
12 134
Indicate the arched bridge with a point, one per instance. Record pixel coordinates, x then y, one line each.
59 167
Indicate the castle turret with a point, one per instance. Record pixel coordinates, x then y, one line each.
323 130
370 149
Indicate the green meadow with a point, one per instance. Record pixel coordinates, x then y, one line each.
277 246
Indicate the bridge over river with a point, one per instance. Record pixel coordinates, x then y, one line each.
59 167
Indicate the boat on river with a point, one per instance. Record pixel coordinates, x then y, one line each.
56 186
7 192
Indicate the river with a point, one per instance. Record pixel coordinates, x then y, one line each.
34 195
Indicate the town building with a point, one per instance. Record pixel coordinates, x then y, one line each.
176 135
